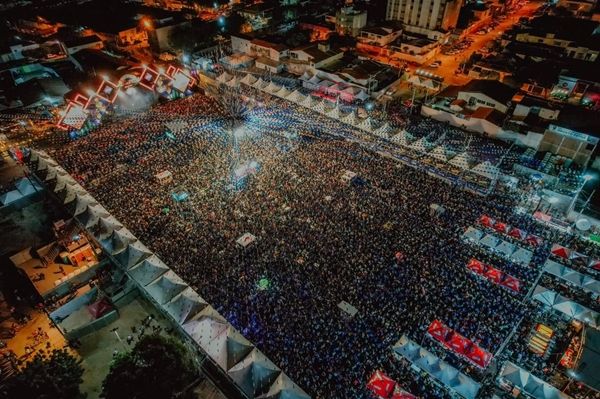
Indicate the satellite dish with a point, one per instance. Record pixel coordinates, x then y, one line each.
583 224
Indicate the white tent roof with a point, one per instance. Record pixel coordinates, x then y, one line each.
383 130
566 306
284 388
400 139
133 254
106 226
92 215
319 106
490 241
334 113
255 374
362 95
225 345
308 101
284 92
296 96
259 84
82 202
473 234
185 305
10 197
577 279
117 241
522 256
149 270
314 79
224 77
351 119
366 124
272 88
442 153
506 248
165 287
305 76
420 145
486 169
532 385
249 79
462 161
436 368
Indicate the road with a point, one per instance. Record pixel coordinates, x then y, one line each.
450 63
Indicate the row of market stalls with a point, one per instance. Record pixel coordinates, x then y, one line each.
438 370
462 161
254 374
515 378
567 255
510 231
564 305
460 345
23 188
499 246
580 280
494 275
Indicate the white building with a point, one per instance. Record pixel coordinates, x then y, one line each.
432 15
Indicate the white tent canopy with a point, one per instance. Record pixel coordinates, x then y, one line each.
249 79
527 382
486 169
164 288
284 388
564 305
461 161
473 234
436 368
135 253
149 270
185 305
255 374
580 280
117 241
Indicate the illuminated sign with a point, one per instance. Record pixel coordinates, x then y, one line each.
148 78
107 91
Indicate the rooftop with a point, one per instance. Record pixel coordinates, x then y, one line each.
584 32
491 88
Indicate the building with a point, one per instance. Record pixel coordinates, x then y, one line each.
314 56
567 37
82 43
349 21
379 36
160 36
268 56
440 15
488 93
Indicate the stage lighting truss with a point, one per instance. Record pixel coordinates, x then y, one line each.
73 118
182 80
108 91
148 78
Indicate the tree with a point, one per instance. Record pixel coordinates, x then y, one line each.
56 375
157 367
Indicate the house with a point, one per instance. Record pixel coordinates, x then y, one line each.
81 43
489 93
316 55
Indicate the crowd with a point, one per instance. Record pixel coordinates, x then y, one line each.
320 240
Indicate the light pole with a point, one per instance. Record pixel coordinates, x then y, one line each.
586 178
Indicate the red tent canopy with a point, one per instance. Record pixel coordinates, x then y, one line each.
479 356
560 251
494 275
512 283
381 385
594 264
458 343
532 239
476 266
517 233
401 394
500 226
100 308
486 221
438 330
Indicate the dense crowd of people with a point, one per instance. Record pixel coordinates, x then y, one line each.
320 239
